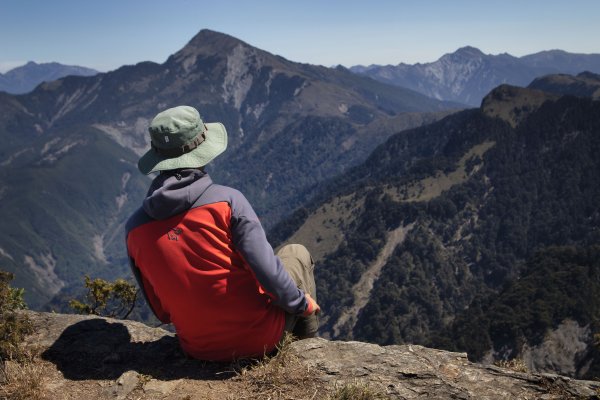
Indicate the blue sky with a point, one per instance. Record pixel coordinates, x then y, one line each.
109 33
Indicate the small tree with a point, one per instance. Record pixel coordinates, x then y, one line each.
13 325
107 299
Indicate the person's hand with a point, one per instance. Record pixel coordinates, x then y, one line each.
312 308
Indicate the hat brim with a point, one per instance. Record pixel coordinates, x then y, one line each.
214 144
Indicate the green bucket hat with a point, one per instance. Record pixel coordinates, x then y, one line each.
180 139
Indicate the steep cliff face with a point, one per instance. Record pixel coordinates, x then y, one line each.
107 359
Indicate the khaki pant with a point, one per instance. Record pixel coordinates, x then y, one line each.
299 264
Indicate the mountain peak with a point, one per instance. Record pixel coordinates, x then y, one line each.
206 44
210 36
466 52
211 42
469 50
462 55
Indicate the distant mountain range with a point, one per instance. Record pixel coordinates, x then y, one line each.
68 178
467 75
25 78
479 232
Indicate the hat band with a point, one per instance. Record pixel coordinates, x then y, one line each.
179 151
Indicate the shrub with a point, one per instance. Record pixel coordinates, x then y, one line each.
108 299
277 374
13 325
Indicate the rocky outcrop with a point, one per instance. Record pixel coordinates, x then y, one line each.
568 349
410 372
114 359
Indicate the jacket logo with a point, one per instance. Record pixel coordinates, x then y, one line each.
174 233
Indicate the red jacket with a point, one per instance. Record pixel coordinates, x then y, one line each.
205 265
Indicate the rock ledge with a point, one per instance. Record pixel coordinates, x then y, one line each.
114 359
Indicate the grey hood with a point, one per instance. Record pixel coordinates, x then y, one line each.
174 192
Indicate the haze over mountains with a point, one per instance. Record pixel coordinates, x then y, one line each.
468 74
67 165
25 78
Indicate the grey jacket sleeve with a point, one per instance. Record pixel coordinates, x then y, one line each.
250 240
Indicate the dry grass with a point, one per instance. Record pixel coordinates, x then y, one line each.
21 381
281 376
555 387
516 364
357 391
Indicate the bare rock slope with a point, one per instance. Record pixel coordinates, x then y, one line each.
90 357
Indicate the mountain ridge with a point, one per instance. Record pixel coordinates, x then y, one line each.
25 78
468 74
585 84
